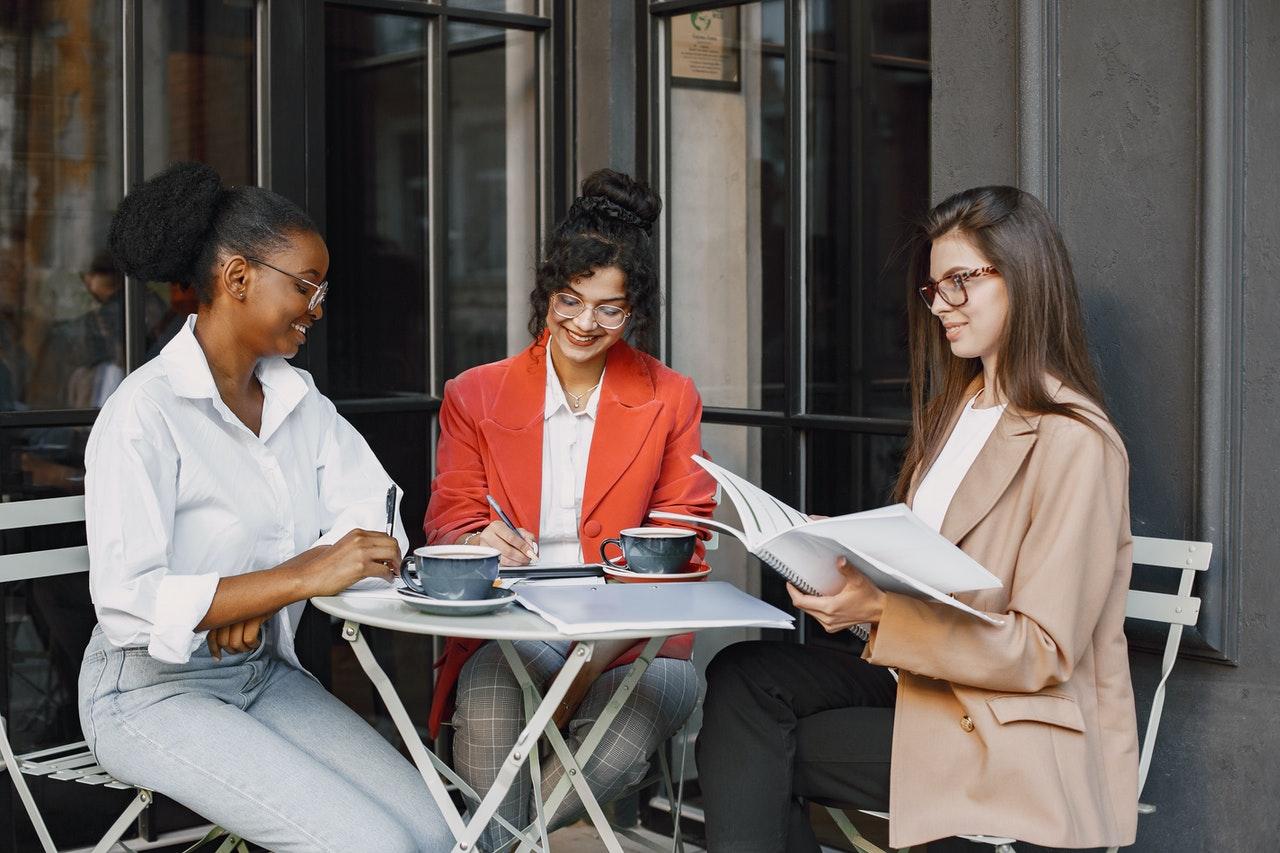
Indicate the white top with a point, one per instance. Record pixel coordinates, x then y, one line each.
566 445
179 493
944 477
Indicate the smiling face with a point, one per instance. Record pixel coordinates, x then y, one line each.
975 328
581 340
276 320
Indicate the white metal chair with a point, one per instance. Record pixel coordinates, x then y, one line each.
72 762
1177 610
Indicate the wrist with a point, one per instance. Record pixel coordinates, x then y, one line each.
301 580
469 538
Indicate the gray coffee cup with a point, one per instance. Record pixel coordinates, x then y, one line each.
451 572
652 550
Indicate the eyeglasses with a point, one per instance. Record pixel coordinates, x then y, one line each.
607 316
317 298
951 288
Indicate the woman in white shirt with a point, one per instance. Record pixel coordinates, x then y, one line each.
577 437
1023 728
222 491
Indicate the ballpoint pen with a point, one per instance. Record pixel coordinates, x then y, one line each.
509 523
391 510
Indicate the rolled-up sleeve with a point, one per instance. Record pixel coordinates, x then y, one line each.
130 498
353 483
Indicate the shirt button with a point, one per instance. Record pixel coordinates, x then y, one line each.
592 528
966 723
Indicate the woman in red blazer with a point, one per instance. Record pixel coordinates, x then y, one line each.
577 437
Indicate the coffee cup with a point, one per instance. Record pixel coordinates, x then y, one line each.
451 572
652 550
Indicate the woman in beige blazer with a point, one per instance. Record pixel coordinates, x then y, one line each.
1025 730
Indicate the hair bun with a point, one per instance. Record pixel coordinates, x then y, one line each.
626 192
161 227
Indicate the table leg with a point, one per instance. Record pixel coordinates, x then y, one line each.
421 757
525 743
571 763
531 698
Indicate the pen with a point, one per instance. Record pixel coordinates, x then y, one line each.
391 510
508 522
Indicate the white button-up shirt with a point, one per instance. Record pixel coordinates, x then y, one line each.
566 446
179 493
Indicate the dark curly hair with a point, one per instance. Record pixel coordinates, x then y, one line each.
607 226
171 227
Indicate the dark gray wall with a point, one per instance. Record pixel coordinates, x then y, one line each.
1149 127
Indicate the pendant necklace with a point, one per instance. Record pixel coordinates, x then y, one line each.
577 398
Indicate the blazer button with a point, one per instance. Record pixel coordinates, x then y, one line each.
592 528
966 723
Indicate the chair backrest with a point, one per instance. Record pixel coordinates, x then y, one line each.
17 515
1177 610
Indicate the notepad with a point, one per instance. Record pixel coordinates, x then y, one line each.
891 545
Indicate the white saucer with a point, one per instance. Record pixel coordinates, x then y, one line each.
465 607
655 577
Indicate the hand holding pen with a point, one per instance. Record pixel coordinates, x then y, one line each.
515 545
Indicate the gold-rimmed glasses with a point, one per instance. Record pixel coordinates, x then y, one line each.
568 306
951 288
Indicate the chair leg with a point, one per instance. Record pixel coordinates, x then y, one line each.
677 841
851 832
24 793
131 812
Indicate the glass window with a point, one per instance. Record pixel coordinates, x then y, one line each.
376 113
727 203
492 193
198 103
868 147
849 471
61 299
900 28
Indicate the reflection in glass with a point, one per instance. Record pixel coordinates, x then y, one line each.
492 146
728 212
61 301
376 311
868 145
198 103
524 7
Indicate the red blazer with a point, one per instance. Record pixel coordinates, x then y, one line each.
648 426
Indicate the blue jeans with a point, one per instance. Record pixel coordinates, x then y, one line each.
255 746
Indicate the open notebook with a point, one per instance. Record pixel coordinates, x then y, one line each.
891 546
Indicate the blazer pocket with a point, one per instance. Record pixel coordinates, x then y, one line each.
1048 708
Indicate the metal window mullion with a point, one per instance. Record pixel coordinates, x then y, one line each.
135 338
262 109
437 260
660 36
797 213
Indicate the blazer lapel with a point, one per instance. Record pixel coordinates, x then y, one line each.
513 432
628 408
990 474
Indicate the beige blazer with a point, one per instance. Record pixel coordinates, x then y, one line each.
1025 730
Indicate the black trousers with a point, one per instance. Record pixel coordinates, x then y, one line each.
785 723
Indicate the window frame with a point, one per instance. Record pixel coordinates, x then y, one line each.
797 421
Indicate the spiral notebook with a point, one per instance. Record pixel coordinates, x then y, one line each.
891 546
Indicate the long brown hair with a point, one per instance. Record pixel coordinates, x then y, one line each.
1043 333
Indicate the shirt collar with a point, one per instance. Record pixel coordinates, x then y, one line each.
556 397
189 376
